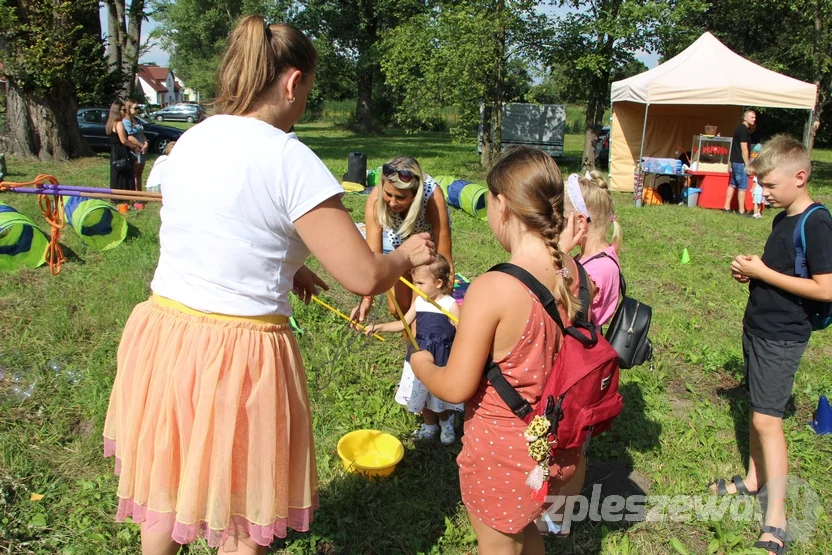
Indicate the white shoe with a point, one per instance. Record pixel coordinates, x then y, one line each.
425 433
447 436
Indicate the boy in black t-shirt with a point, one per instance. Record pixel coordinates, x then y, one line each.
776 327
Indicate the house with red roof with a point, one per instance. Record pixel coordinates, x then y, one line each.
158 84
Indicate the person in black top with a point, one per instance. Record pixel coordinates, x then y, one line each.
776 326
740 149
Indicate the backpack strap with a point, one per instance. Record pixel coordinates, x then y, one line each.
799 240
550 304
622 284
518 405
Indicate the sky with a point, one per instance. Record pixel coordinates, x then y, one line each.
159 57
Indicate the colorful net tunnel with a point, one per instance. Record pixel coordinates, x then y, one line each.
96 221
465 195
22 244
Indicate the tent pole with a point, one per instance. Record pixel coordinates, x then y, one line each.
643 131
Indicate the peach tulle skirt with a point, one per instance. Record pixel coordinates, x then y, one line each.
210 425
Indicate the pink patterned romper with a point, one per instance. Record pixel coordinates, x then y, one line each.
494 462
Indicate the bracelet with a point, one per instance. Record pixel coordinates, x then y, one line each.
368 298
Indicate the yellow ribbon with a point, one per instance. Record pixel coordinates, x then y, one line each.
419 292
344 316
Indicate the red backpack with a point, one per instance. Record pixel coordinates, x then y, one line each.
580 397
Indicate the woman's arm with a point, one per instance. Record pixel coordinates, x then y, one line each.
371 226
127 140
329 232
437 216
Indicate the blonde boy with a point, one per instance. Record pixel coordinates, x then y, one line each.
776 326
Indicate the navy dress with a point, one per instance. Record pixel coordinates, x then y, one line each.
435 334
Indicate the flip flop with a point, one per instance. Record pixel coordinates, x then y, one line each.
772 546
721 490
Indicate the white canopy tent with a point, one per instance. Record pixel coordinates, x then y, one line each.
706 84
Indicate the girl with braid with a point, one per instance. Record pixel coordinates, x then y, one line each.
503 321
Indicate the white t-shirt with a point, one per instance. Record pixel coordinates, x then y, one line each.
233 188
154 180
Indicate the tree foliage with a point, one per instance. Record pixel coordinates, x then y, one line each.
194 32
594 43
53 59
463 55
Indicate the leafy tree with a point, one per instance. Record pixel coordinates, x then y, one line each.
53 57
355 28
124 31
464 55
593 45
793 37
194 32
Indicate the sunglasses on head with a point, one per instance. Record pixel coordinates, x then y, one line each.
405 176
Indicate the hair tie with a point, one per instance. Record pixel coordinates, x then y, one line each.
573 189
267 28
589 177
563 272
612 217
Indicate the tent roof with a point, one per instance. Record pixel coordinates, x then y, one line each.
708 72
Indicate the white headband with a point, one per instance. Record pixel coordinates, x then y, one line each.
573 189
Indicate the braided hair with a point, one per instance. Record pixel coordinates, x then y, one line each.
532 185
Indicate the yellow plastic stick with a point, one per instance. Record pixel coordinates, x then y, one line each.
392 297
419 292
344 316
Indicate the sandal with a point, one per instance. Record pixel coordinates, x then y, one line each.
772 546
742 489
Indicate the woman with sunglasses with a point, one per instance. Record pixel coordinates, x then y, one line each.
408 201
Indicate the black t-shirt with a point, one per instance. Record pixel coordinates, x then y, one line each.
772 313
741 135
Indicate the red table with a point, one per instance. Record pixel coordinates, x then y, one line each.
714 185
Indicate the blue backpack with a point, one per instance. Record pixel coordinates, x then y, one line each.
820 313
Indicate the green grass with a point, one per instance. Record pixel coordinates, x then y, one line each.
680 425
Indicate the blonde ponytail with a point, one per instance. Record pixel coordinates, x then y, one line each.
257 55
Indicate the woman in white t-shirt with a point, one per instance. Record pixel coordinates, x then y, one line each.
209 417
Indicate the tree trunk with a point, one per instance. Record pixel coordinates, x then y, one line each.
43 126
590 133
820 99
115 33
132 46
364 107
499 84
485 156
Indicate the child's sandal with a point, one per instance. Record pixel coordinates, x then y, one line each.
773 546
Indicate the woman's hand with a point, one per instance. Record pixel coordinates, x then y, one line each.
306 283
360 312
144 147
419 249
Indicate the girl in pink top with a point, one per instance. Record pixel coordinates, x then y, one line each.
590 217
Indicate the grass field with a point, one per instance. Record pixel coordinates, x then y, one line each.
680 427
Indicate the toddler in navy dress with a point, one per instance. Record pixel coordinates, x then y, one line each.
434 333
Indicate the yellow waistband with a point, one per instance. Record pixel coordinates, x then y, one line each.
275 319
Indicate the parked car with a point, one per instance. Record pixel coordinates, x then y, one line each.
602 148
91 121
191 113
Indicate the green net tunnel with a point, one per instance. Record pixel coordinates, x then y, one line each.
96 222
469 197
22 244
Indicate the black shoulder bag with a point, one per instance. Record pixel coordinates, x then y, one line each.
627 331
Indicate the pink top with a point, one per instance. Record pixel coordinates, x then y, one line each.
605 275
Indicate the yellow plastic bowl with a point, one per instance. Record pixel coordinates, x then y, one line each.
370 452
